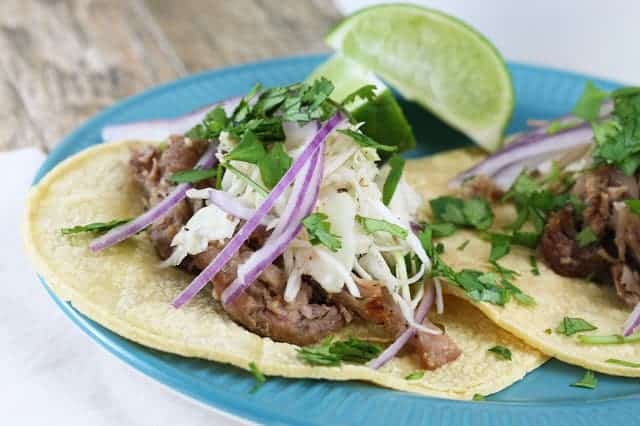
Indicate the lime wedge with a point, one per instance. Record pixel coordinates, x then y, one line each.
383 117
436 60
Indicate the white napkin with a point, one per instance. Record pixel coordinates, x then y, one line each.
50 371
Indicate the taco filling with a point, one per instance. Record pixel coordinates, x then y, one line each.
297 220
574 183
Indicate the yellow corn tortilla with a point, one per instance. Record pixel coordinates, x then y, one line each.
123 289
556 296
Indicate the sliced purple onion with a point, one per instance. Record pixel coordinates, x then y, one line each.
304 201
247 229
163 128
546 147
129 229
632 322
230 204
391 351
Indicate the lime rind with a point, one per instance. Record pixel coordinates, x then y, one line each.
411 48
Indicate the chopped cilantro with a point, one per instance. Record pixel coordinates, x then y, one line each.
332 354
371 225
366 92
534 265
193 175
586 237
396 163
525 239
319 230
441 230
479 286
548 331
416 375
588 106
94 227
473 212
365 141
588 381
500 247
274 165
258 376
501 352
478 397
249 150
623 363
570 326
463 245
617 139
634 206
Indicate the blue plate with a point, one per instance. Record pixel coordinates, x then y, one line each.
543 397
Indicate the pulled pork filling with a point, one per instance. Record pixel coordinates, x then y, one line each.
313 314
614 255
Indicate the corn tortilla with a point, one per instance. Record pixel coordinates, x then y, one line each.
556 296
123 289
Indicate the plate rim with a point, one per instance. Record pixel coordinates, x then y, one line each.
229 403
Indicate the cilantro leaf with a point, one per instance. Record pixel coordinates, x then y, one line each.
501 352
193 175
94 227
366 92
634 206
478 397
416 375
396 163
319 230
586 237
500 247
570 326
365 141
249 150
623 363
588 106
441 230
243 109
331 354
473 212
526 239
534 265
214 122
463 245
274 165
588 381
258 376
371 225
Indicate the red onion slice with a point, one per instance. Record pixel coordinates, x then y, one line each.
632 322
395 347
549 146
129 229
247 229
278 242
161 129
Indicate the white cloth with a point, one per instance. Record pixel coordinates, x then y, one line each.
50 371
589 36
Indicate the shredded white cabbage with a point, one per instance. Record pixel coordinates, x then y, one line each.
351 186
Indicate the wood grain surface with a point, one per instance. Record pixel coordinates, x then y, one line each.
62 61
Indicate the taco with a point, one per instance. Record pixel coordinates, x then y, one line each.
268 236
556 223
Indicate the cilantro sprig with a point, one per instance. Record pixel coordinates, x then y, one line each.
319 229
371 225
332 353
473 213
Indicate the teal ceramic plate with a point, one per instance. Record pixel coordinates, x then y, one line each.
543 397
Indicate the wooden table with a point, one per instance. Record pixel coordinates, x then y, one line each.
62 61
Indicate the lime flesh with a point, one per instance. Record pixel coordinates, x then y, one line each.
435 60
